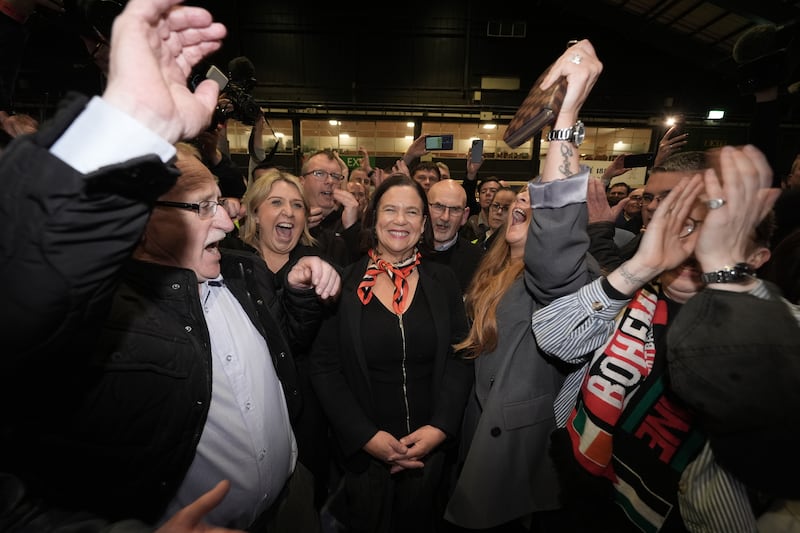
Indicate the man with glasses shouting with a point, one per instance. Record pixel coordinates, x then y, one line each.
447 202
334 210
187 382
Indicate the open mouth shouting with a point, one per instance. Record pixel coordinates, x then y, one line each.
213 248
519 216
284 231
326 198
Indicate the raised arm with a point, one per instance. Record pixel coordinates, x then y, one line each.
155 45
67 232
558 225
581 67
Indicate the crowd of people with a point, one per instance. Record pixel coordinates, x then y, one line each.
384 349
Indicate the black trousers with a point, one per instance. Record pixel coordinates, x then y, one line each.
379 502
294 510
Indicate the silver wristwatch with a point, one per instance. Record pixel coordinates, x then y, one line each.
573 134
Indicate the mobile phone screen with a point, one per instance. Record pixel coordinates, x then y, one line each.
433 142
439 142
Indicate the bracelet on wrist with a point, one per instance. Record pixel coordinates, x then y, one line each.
738 273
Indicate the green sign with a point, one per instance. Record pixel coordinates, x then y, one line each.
354 161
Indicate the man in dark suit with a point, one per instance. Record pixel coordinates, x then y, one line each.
448 207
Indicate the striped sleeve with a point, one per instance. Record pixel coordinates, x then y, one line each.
571 328
711 500
761 291
577 324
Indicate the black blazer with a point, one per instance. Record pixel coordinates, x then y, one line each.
339 370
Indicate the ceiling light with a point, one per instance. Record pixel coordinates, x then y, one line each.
715 114
410 124
489 126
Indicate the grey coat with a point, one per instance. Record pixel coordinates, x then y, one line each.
507 472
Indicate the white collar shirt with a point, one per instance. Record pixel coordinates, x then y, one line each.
247 437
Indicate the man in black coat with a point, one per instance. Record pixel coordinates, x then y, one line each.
448 207
145 356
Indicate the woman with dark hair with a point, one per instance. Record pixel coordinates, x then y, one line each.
384 368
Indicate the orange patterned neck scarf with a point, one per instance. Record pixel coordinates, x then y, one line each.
397 273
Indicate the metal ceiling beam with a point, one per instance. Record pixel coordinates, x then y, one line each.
660 36
777 13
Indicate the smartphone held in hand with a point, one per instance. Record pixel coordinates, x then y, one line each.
439 142
638 160
476 154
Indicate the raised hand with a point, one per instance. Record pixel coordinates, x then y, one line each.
349 203
401 167
616 168
580 65
662 247
365 164
669 144
597 205
472 167
343 165
416 149
581 68
154 46
315 216
742 182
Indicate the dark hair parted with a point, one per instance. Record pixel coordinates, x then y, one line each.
427 165
489 179
369 238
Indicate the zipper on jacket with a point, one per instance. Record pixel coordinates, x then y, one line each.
405 374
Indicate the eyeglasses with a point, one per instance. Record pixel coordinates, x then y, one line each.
689 227
205 209
322 175
647 198
499 208
439 209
